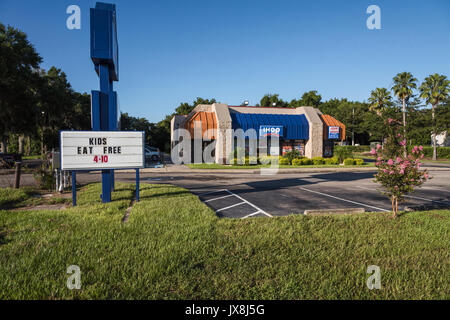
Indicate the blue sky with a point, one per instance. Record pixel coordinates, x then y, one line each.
174 51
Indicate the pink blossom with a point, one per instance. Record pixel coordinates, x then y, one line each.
390 162
421 156
373 151
398 159
420 148
379 158
378 146
426 175
384 170
390 120
391 172
403 142
402 171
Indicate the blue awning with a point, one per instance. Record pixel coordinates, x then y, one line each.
295 126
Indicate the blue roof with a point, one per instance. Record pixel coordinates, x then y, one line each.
295 126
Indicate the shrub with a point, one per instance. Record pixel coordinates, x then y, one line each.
297 162
306 162
349 162
343 152
291 155
359 162
44 178
442 152
284 161
331 161
318 160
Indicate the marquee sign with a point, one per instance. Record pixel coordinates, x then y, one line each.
333 132
266 131
98 150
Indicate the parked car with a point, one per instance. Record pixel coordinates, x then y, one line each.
152 153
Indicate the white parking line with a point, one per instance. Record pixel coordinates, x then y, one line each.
413 197
251 204
227 196
342 199
234 205
251 215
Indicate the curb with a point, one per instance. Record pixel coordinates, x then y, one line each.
323 212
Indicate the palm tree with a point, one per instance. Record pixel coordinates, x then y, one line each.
379 100
435 89
404 83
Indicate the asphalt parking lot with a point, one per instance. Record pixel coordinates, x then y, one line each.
294 194
242 195
246 195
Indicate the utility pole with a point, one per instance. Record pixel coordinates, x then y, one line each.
353 126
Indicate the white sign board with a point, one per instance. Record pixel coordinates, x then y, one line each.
96 150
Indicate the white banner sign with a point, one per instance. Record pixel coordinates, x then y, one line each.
96 150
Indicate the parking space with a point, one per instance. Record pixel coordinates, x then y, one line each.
230 205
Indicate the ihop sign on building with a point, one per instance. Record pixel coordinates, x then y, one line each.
268 131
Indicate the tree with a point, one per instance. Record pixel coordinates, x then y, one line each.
310 99
434 90
380 100
272 100
19 62
398 175
185 108
55 107
404 83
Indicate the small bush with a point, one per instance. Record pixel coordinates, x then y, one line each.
343 152
297 162
306 162
291 155
284 161
318 160
359 162
44 178
332 161
349 162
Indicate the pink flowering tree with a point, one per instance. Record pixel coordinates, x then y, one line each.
398 173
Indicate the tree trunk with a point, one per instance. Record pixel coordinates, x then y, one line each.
4 145
20 141
434 133
404 125
28 146
394 206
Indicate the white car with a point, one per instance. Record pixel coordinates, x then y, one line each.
152 153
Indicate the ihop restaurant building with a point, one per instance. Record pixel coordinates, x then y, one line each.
304 129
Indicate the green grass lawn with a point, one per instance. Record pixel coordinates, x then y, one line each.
258 166
174 247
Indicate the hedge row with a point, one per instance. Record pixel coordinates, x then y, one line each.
442 152
301 161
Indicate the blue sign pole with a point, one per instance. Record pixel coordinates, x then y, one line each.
137 185
104 54
74 188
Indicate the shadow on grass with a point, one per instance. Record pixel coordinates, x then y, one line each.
3 234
